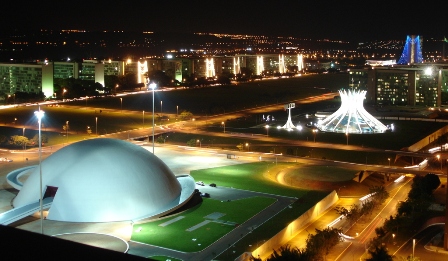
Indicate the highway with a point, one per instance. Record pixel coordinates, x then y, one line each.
355 250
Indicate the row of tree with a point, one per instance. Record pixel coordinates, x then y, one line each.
411 213
317 247
22 141
378 195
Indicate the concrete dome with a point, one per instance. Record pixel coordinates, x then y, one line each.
104 180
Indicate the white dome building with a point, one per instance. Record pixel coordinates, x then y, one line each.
105 180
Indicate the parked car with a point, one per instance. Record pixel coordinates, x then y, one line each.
200 183
213 185
5 159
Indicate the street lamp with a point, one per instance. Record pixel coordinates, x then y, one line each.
121 105
438 158
314 134
23 132
200 144
267 130
161 107
177 110
66 129
413 248
63 94
247 145
389 161
224 124
96 126
143 120
39 114
152 86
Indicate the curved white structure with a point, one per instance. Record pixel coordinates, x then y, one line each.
105 180
351 117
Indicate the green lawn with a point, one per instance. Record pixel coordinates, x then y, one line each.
243 176
233 213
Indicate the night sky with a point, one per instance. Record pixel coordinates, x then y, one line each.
317 19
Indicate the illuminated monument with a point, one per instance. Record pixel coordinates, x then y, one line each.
412 51
351 117
289 125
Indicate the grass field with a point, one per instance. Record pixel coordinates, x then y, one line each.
197 238
259 177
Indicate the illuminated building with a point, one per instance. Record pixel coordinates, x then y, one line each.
412 51
88 184
351 117
402 85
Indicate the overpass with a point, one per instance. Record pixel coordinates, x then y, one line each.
16 214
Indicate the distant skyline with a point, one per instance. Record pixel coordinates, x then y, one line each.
346 20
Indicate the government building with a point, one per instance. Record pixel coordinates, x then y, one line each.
409 82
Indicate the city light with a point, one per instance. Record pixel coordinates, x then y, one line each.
40 114
153 86
351 117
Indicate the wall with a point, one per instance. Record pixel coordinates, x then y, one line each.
292 229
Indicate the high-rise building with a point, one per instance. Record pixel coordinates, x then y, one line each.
412 51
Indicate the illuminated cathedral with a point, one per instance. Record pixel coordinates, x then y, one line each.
351 117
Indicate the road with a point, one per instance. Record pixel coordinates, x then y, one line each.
356 249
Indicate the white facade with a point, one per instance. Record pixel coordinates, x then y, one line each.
105 180
351 117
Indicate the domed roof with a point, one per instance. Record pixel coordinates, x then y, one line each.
104 180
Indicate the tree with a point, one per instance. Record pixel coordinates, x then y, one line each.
17 140
191 143
159 77
379 194
379 253
286 253
430 183
35 139
352 214
3 139
320 244
185 115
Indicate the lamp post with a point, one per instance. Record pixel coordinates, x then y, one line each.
224 124
200 144
389 161
247 145
267 130
39 114
177 110
161 107
152 86
96 126
66 129
121 105
23 132
438 158
413 249
314 134
63 94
